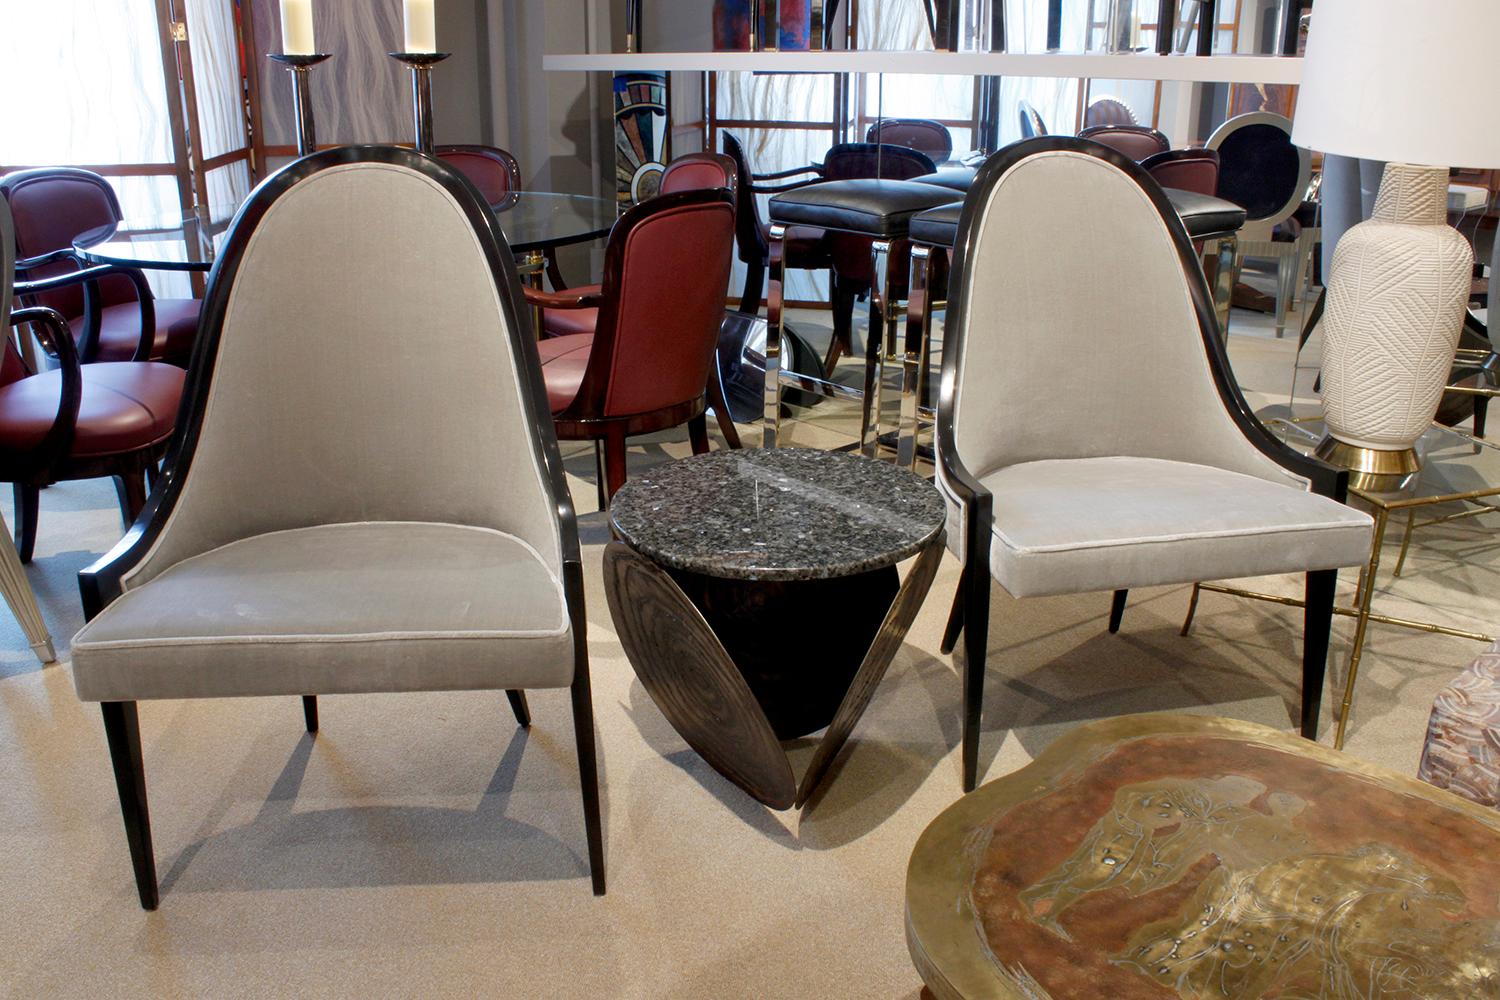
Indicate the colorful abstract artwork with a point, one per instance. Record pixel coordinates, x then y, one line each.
734 24
640 135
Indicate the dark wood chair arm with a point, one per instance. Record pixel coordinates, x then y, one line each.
56 339
88 343
812 168
64 254
567 299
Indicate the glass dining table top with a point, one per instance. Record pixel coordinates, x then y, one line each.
1455 465
531 221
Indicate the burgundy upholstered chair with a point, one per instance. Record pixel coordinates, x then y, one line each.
1135 141
77 421
1195 170
692 172
646 366
922 134
53 205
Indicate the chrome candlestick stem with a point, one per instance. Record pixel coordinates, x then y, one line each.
420 64
302 97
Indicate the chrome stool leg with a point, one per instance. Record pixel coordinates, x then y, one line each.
879 339
775 324
1224 281
914 356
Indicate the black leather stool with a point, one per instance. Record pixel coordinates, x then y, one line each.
880 210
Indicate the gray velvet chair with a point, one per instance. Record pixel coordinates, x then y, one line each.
1162 475
364 493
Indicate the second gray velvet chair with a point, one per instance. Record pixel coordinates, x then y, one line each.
1160 474
349 506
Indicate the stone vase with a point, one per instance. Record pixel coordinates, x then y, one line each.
1396 297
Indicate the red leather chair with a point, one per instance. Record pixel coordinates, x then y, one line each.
1195 170
925 136
647 363
53 205
692 172
77 421
1135 141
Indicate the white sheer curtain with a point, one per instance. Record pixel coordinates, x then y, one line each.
84 85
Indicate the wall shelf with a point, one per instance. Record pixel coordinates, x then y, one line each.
1098 66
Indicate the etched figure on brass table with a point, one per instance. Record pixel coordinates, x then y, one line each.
1274 917
1156 831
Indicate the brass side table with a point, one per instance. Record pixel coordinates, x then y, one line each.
1181 856
1457 469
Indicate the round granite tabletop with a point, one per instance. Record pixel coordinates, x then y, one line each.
777 514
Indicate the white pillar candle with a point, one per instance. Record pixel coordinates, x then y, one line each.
297 28
421 26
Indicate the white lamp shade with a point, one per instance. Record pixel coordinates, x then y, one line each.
1403 81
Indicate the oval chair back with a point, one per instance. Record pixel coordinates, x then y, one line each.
1031 121
494 171
1260 170
1135 141
1195 170
922 134
51 206
699 172
1107 110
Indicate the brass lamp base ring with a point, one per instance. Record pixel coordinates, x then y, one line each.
1370 468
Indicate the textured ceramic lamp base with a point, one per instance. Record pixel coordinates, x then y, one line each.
1396 298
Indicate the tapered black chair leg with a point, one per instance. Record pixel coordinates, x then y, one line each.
955 620
28 509
123 733
1316 625
310 711
588 769
1481 411
976 644
518 705
1117 610
130 488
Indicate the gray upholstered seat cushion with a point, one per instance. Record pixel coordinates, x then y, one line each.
1078 525
365 606
865 206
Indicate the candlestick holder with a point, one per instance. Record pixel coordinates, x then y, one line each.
301 96
420 64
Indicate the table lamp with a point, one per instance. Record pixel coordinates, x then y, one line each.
1413 85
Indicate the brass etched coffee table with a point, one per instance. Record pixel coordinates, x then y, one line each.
1161 856
756 594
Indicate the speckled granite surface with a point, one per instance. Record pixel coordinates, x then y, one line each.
777 514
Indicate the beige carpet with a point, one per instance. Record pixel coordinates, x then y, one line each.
422 846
